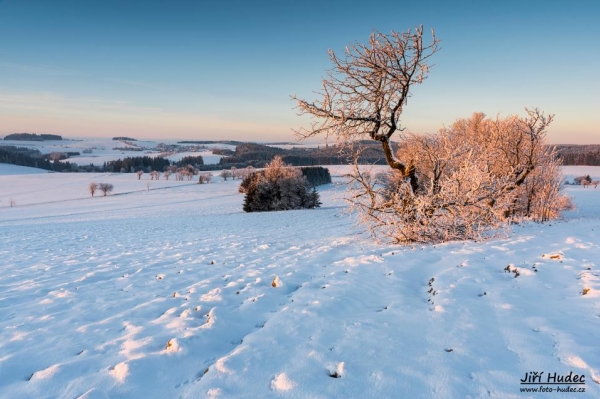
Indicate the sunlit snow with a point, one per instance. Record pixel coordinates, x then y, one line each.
171 291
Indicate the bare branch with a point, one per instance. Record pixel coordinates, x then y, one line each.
365 91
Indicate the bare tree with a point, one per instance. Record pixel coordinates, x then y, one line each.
105 188
139 174
93 187
167 174
12 202
366 91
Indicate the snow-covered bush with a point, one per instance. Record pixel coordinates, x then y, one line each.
473 178
279 187
315 175
204 178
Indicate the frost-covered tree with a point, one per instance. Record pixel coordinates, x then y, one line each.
279 187
366 90
225 174
465 182
105 188
473 178
204 178
93 187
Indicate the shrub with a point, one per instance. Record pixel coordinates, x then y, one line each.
278 188
315 175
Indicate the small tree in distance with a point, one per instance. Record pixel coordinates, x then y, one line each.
226 174
105 188
204 178
93 187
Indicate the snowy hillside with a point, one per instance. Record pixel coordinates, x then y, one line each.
171 291
98 151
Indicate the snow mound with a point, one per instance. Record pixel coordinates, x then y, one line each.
282 383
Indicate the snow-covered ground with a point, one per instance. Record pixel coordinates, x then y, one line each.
171 291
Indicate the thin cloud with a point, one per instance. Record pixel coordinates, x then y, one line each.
51 102
134 83
41 69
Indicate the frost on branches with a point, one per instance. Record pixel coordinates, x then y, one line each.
474 178
278 188
466 182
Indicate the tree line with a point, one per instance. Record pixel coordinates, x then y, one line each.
258 155
148 164
32 158
32 137
579 154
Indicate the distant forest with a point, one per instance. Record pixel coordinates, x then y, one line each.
258 155
33 158
587 154
32 137
246 154
148 164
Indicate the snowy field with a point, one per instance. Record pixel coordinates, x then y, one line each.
171 291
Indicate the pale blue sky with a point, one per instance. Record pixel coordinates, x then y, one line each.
225 70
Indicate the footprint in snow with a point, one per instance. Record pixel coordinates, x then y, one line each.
338 372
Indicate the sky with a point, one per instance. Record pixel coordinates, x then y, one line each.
210 70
